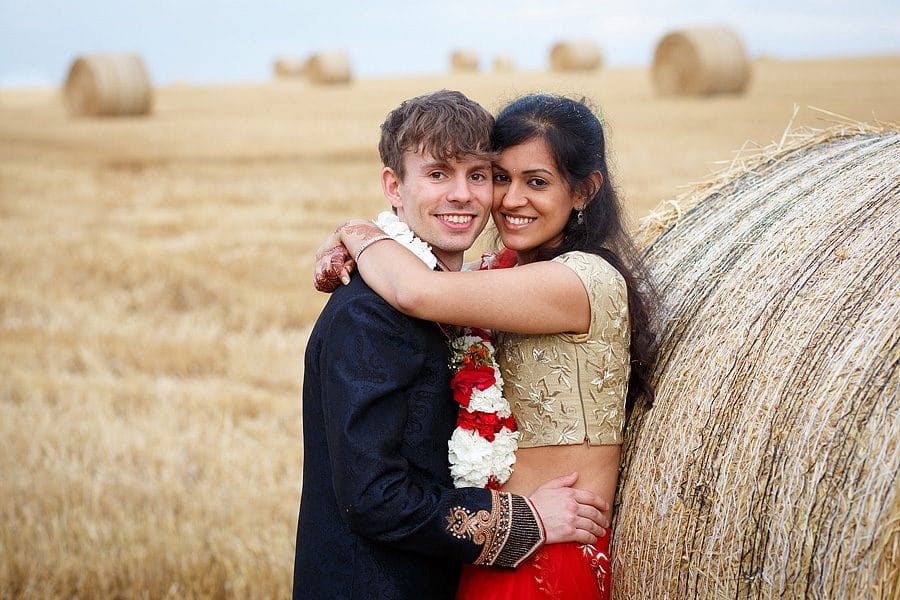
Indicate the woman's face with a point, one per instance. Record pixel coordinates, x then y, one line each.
532 200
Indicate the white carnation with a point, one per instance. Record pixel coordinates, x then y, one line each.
470 458
490 400
473 459
503 453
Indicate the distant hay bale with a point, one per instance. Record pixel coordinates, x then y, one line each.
769 465
504 63
699 62
575 56
290 67
108 84
464 61
329 67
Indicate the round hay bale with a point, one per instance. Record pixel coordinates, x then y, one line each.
769 465
329 68
108 84
289 67
504 63
464 61
575 56
699 62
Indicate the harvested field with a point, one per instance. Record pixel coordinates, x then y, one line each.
157 296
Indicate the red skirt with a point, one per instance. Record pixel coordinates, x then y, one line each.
564 571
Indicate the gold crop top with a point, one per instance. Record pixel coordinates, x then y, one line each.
566 389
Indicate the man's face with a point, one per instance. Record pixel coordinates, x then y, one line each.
446 203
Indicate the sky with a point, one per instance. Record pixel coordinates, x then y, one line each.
237 41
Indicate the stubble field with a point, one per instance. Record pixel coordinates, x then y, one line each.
156 297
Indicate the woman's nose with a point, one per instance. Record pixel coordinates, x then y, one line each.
513 196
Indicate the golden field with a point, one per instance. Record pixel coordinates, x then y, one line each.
157 296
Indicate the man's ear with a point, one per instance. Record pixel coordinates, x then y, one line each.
390 185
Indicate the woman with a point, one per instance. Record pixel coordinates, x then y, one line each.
576 348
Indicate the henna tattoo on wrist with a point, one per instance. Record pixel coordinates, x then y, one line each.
364 231
364 235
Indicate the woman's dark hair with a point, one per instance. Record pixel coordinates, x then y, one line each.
574 136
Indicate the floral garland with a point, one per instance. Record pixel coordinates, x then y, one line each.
401 233
482 448
483 445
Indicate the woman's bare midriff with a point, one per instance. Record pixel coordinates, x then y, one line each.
597 467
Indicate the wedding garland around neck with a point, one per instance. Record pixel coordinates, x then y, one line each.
483 445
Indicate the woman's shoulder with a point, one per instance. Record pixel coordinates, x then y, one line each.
598 276
580 260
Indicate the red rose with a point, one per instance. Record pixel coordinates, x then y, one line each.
486 424
467 379
482 333
499 260
509 422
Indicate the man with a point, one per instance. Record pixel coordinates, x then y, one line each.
379 517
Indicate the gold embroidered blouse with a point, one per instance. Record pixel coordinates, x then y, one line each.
566 389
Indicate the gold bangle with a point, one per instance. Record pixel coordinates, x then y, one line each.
368 243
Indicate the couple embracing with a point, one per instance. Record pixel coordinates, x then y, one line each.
385 442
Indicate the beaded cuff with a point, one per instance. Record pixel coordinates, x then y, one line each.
523 539
502 545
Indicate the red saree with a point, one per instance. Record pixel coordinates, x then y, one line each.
564 571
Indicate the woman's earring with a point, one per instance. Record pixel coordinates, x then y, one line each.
579 218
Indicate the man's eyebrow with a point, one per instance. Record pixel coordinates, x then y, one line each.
435 164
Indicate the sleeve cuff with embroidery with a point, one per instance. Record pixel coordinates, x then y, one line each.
508 534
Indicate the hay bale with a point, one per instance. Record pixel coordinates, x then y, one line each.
575 56
290 67
464 61
699 62
768 466
108 84
329 68
503 63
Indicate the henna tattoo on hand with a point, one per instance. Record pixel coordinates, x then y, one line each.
328 269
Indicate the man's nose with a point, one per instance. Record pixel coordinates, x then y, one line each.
460 190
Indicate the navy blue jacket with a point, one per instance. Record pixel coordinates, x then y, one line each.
377 498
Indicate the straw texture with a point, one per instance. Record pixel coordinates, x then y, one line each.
700 61
769 464
107 85
575 56
464 61
331 67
